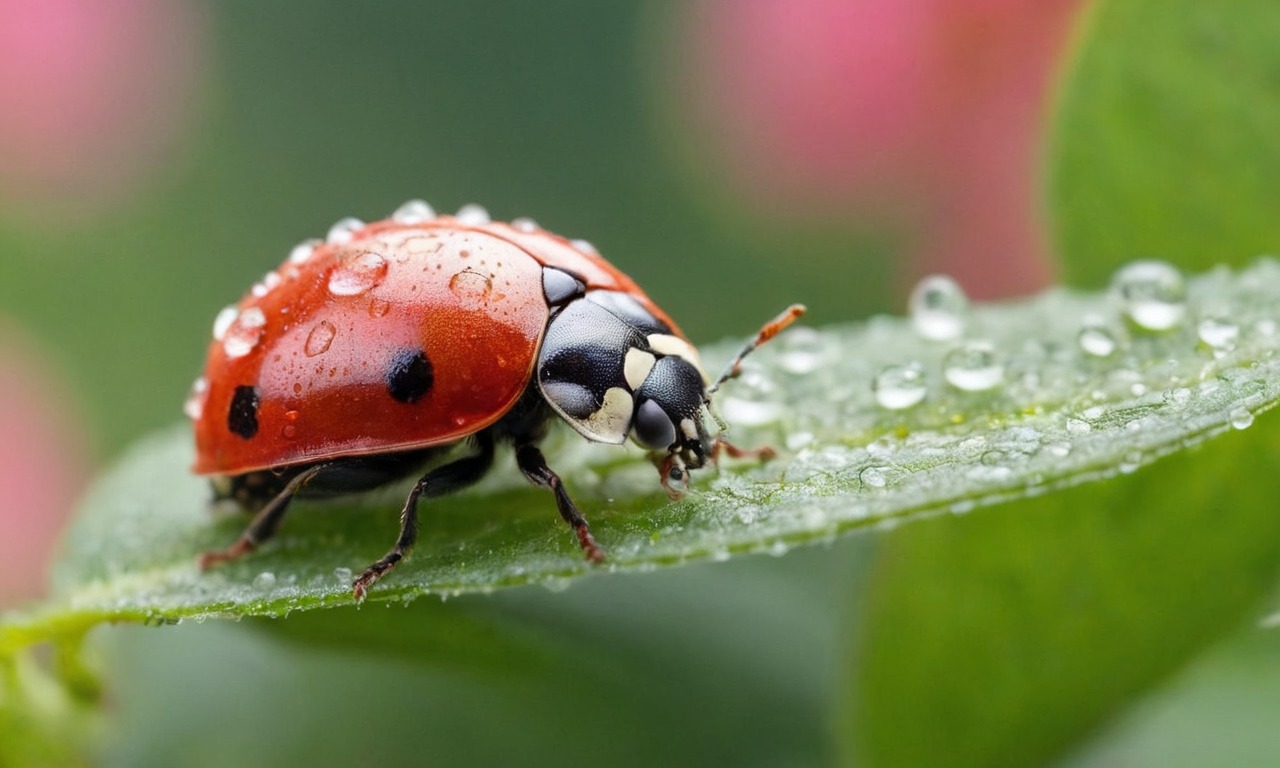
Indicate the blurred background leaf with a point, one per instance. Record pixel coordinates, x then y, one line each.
1161 139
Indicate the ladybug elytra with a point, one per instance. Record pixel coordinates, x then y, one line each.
367 355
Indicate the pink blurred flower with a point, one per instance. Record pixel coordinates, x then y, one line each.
43 465
927 113
94 95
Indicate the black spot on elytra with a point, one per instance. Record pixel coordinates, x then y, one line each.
410 376
242 419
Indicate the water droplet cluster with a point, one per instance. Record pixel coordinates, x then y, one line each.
970 404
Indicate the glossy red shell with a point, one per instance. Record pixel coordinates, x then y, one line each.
317 337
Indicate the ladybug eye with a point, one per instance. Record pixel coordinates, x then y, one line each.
652 427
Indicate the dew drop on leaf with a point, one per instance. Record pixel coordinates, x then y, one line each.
938 306
1152 294
1218 334
1097 341
973 367
900 386
1241 418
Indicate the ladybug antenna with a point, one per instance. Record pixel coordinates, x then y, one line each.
770 329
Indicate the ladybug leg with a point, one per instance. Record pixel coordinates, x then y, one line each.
534 466
264 524
437 482
762 454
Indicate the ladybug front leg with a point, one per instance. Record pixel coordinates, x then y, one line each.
761 454
438 482
534 466
264 524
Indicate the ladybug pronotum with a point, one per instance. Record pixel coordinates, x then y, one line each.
369 356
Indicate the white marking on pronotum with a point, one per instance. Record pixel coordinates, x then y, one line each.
636 366
612 419
666 344
689 429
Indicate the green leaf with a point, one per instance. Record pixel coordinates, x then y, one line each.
1060 416
1163 144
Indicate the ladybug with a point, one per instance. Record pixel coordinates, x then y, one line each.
371 355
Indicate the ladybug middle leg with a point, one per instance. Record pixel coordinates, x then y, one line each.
534 466
439 481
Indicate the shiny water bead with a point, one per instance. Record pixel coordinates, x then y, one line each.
1096 341
343 231
938 307
900 386
473 214
1152 294
1218 333
413 212
973 367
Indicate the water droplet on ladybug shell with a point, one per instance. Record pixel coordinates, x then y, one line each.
379 307
357 275
226 316
344 230
414 212
525 224
290 429
473 214
243 334
303 251
194 405
320 338
471 285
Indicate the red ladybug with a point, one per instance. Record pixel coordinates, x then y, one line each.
364 357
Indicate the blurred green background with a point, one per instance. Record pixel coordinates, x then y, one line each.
731 157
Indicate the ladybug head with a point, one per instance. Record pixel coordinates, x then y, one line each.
668 418
614 371
693 445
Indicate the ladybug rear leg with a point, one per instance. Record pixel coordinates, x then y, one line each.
534 466
437 482
265 523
